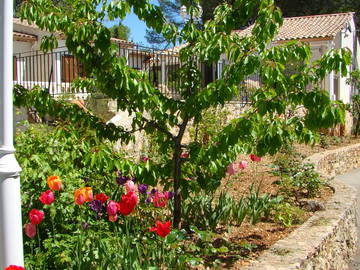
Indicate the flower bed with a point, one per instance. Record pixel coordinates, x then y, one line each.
328 239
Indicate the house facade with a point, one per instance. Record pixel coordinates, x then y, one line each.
322 33
57 69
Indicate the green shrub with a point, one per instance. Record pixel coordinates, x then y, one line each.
287 214
296 177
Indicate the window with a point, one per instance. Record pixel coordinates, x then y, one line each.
71 68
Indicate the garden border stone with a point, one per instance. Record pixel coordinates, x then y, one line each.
327 240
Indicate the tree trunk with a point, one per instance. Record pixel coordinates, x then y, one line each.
177 174
177 191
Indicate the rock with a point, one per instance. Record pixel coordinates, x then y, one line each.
312 205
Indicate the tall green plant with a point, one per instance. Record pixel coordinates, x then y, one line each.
354 106
262 129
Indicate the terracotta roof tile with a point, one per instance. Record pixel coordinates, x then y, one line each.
23 37
62 36
307 27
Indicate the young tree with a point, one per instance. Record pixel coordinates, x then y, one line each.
262 129
120 31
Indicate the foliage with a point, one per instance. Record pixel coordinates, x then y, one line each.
17 5
213 121
171 10
325 140
120 31
260 130
287 214
354 80
296 177
207 212
354 106
75 237
260 206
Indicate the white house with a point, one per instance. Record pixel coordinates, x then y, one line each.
57 69
323 32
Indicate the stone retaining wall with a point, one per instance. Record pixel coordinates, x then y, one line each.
327 240
338 161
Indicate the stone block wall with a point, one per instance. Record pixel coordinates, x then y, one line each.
338 161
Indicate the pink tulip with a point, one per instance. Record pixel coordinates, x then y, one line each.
231 169
113 218
30 230
160 199
243 164
129 186
254 158
184 155
112 208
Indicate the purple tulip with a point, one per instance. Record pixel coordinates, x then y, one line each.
143 188
96 206
148 199
169 195
121 180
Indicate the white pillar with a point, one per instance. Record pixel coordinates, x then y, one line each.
11 242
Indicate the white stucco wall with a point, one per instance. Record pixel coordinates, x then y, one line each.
345 39
21 46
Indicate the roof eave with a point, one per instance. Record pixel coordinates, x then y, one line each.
312 39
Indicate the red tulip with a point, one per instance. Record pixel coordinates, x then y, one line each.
101 197
30 230
128 203
14 267
47 197
36 216
161 229
254 158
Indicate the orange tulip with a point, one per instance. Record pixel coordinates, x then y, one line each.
54 182
83 195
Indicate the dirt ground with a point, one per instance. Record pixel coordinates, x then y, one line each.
248 241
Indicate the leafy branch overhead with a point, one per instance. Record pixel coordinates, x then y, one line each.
262 129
